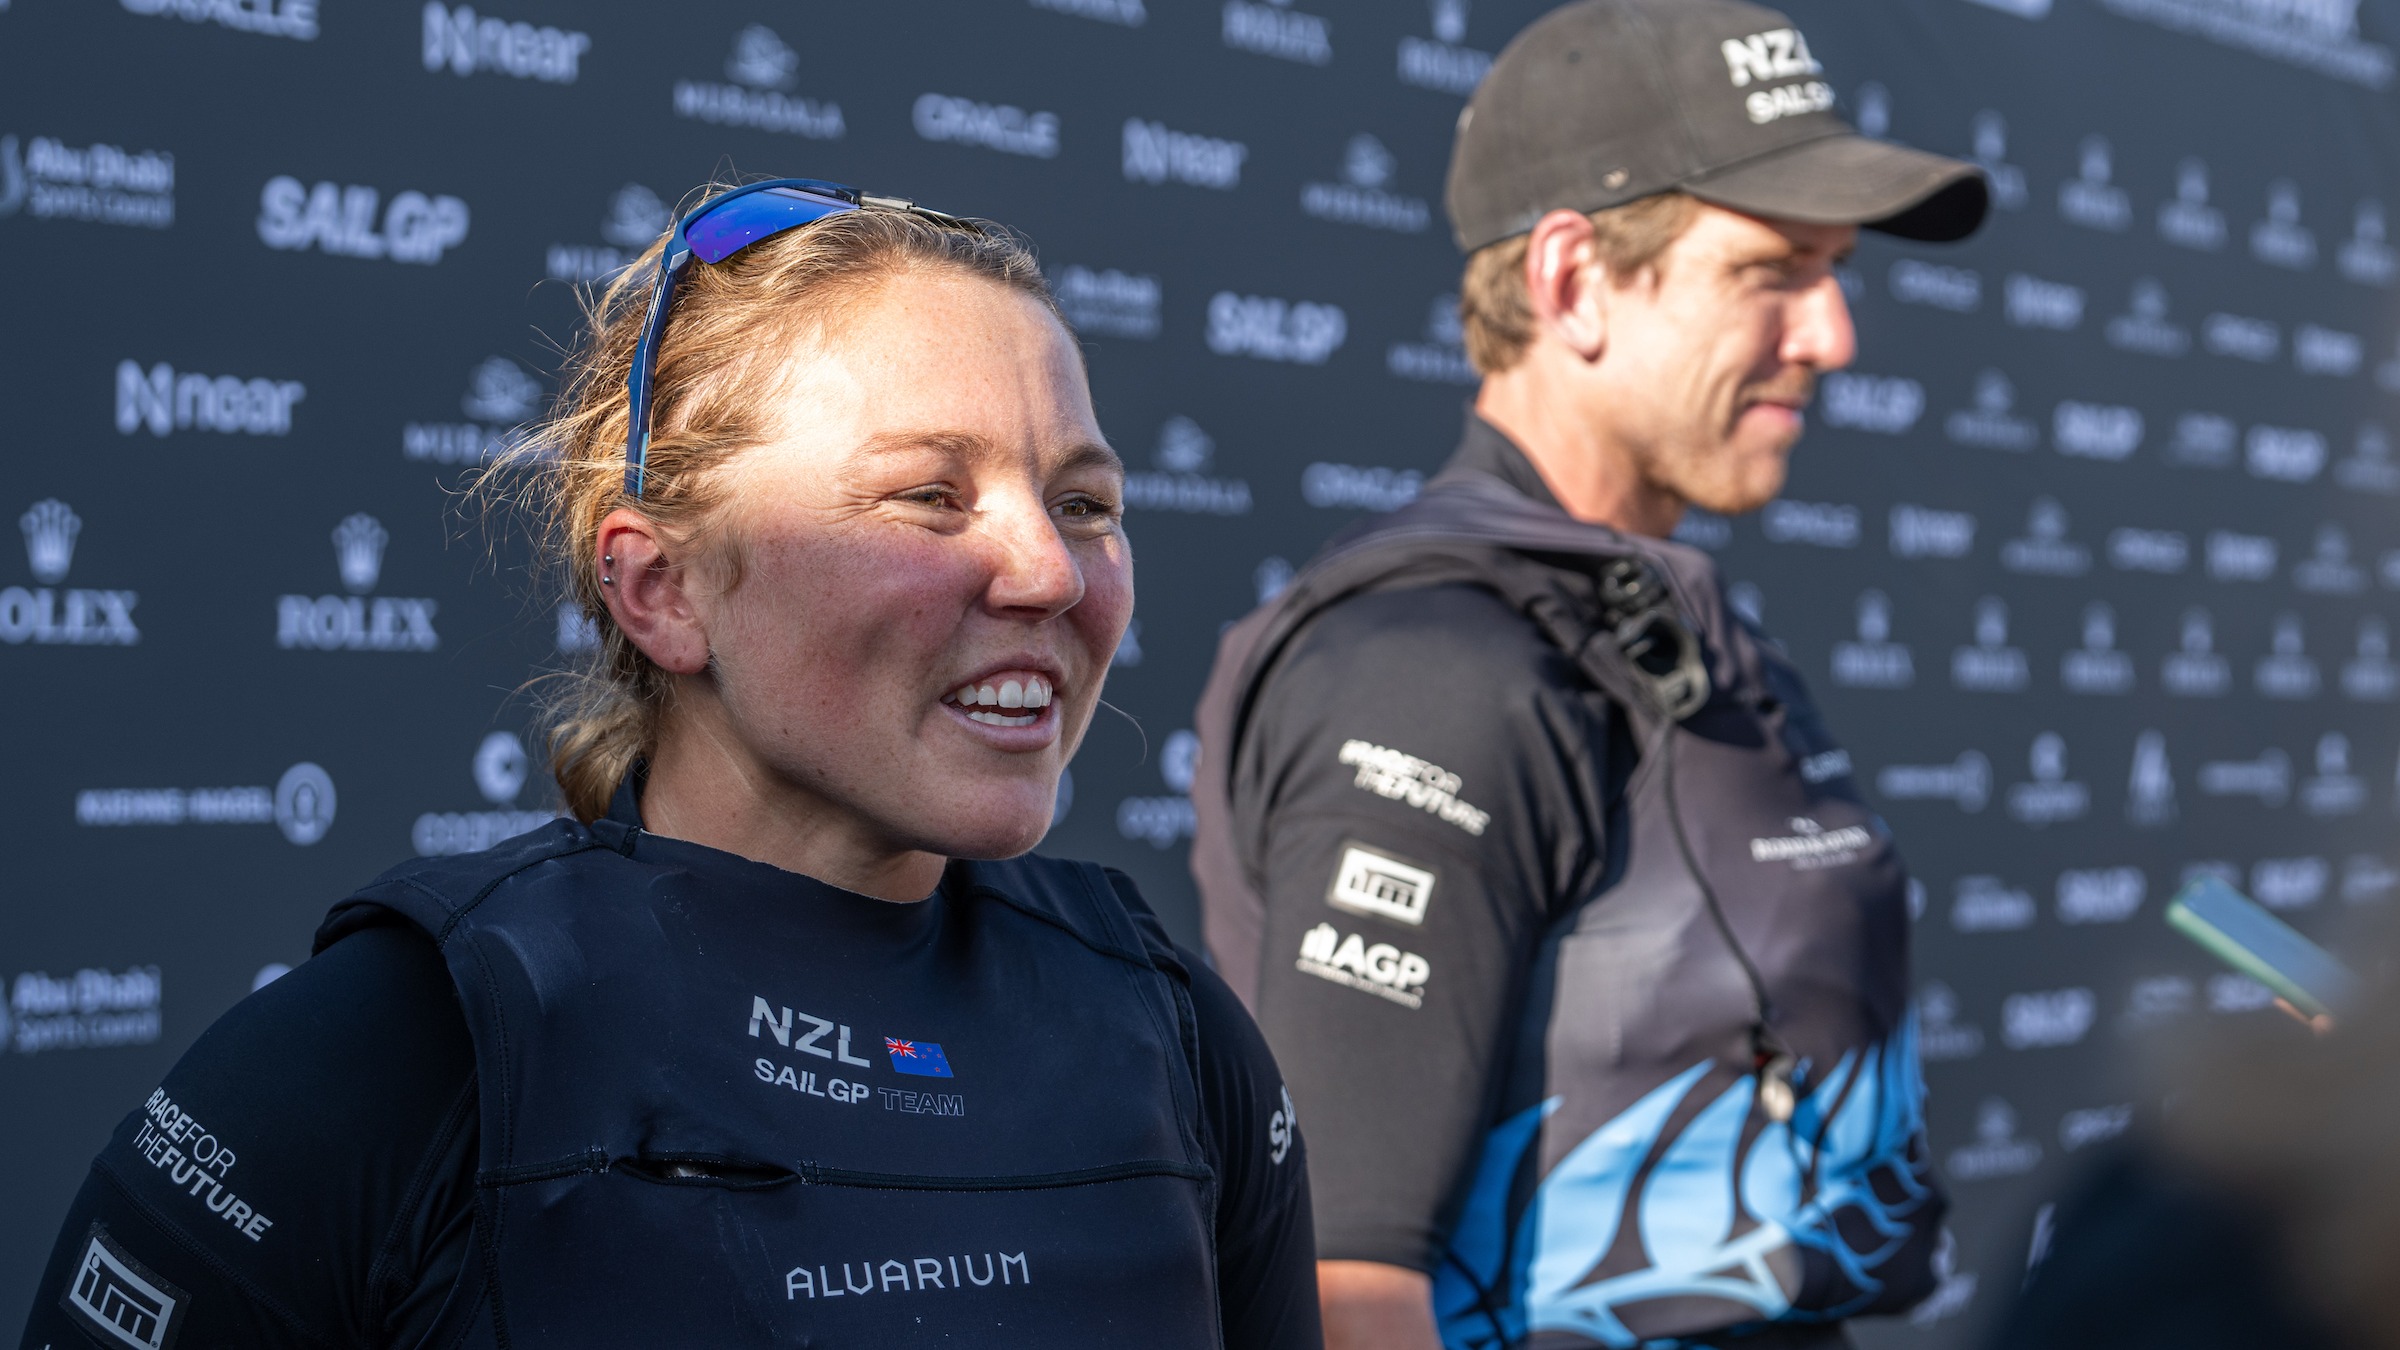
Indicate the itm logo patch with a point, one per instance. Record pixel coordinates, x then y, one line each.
1370 881
119 1300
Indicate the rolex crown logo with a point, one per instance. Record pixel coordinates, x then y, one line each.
50 529
358 550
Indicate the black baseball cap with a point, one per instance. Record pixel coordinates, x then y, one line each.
1603 102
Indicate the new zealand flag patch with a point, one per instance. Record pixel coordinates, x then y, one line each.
922 1058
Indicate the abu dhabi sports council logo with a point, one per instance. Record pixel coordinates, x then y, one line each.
1181 481
1107 302
1441 357
44 615
347 222
994 126
2316 35
635 219
296 19
1276 29
1363 196
357 621
763 70
1444 63
301 805
165 400
463 42
93 1009
1270 329
500 396
105 184
500 766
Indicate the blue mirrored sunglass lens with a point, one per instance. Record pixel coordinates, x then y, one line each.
728 229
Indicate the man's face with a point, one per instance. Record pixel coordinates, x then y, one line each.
1712 355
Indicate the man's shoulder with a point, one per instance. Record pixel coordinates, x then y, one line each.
1450 634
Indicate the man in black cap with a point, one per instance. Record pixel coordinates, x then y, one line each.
1582 1065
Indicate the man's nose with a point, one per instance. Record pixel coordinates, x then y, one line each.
1818 333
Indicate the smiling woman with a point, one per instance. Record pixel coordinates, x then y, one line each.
781 992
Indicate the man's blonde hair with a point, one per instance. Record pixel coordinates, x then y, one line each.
1493 309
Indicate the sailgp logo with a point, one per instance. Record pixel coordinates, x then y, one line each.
341 220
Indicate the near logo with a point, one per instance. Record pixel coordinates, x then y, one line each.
119 1300
1375 883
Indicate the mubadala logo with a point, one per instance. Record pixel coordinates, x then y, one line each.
296 19
1181 481
764 70
1990 424
2097 667
357 621
635 220
2100 894
1965 781
458 40
301 805
75 617
1299 331
500 767
2144 326
1444 64
1442 357
92 1009
994 126
1886 404
102 183
2370 676
2044 549
2051 1017
1276 29
1916 282
165 402
1923 532
331 218
1991 666
501 396
2089 198
1156 153
2196 671
2366 257
2050 796
1127 13
2329 570
2188 219
1997 1150
2281 239
2316 35
2370 467
1778 54
2204 441
1941 1037
1107 302
2327 351
2031 302
1874 661
1824 524
2334 790
1376 968
2240 557
2240 337
2165 552
1362 197
2267 778
1986 904
2150 784
2102 431
2006 180
2287 671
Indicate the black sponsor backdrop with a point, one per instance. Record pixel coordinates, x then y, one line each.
2179 408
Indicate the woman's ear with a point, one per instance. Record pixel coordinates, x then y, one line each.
648 593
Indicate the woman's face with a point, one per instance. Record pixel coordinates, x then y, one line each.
934 572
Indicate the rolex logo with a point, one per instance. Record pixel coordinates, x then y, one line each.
50 529
358 550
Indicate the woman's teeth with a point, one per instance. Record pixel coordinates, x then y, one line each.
1031 693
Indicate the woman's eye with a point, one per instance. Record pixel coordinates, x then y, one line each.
1086 508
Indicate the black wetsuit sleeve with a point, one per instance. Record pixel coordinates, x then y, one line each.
303 1177
1438 781
1266 1251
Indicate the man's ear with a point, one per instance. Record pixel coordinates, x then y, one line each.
1565 285
648 592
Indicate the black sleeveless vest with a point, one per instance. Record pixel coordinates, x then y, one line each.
723 1104
1634 1188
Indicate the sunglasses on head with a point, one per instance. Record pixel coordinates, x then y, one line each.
712 232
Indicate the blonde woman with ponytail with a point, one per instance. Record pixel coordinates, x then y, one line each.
781 1038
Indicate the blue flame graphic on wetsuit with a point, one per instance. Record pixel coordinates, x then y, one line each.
1857 1127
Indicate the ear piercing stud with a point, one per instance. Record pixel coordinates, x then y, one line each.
608 560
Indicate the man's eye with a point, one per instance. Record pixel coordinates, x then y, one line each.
929 496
